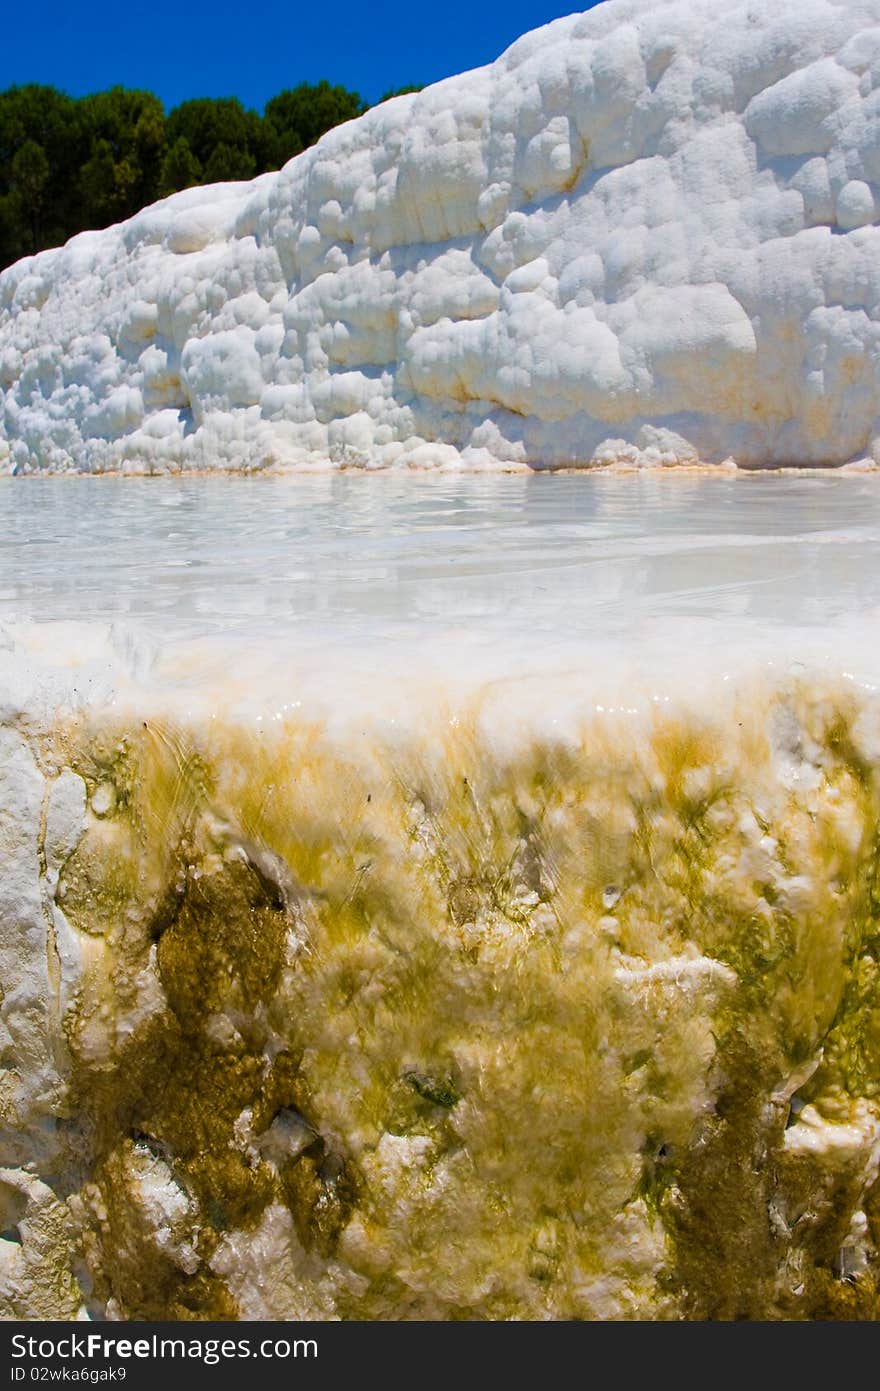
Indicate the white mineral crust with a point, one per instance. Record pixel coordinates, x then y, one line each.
646 234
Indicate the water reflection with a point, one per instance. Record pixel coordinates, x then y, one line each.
585 555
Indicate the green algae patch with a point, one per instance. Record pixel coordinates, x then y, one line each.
584 1028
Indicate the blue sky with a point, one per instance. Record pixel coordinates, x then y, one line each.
189 48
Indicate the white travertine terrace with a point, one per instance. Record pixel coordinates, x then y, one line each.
644 235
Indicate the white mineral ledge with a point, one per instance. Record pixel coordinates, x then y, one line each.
646 234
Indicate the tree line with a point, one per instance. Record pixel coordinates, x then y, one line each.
72 163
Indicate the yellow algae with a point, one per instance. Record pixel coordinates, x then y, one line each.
583 1026
37 1249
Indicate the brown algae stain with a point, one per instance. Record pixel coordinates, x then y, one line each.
523 1023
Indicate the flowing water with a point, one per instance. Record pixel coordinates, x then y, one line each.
516 556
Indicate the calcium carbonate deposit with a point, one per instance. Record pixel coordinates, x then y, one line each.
644 234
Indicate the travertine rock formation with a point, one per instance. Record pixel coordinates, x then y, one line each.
581 1022
644 234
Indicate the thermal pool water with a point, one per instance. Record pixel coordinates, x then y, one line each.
440 897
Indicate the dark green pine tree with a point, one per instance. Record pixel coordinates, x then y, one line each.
68 164
180 168
29 177
296 118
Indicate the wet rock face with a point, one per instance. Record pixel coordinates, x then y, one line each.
587 1028
644 234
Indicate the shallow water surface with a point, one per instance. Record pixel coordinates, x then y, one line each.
584 556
